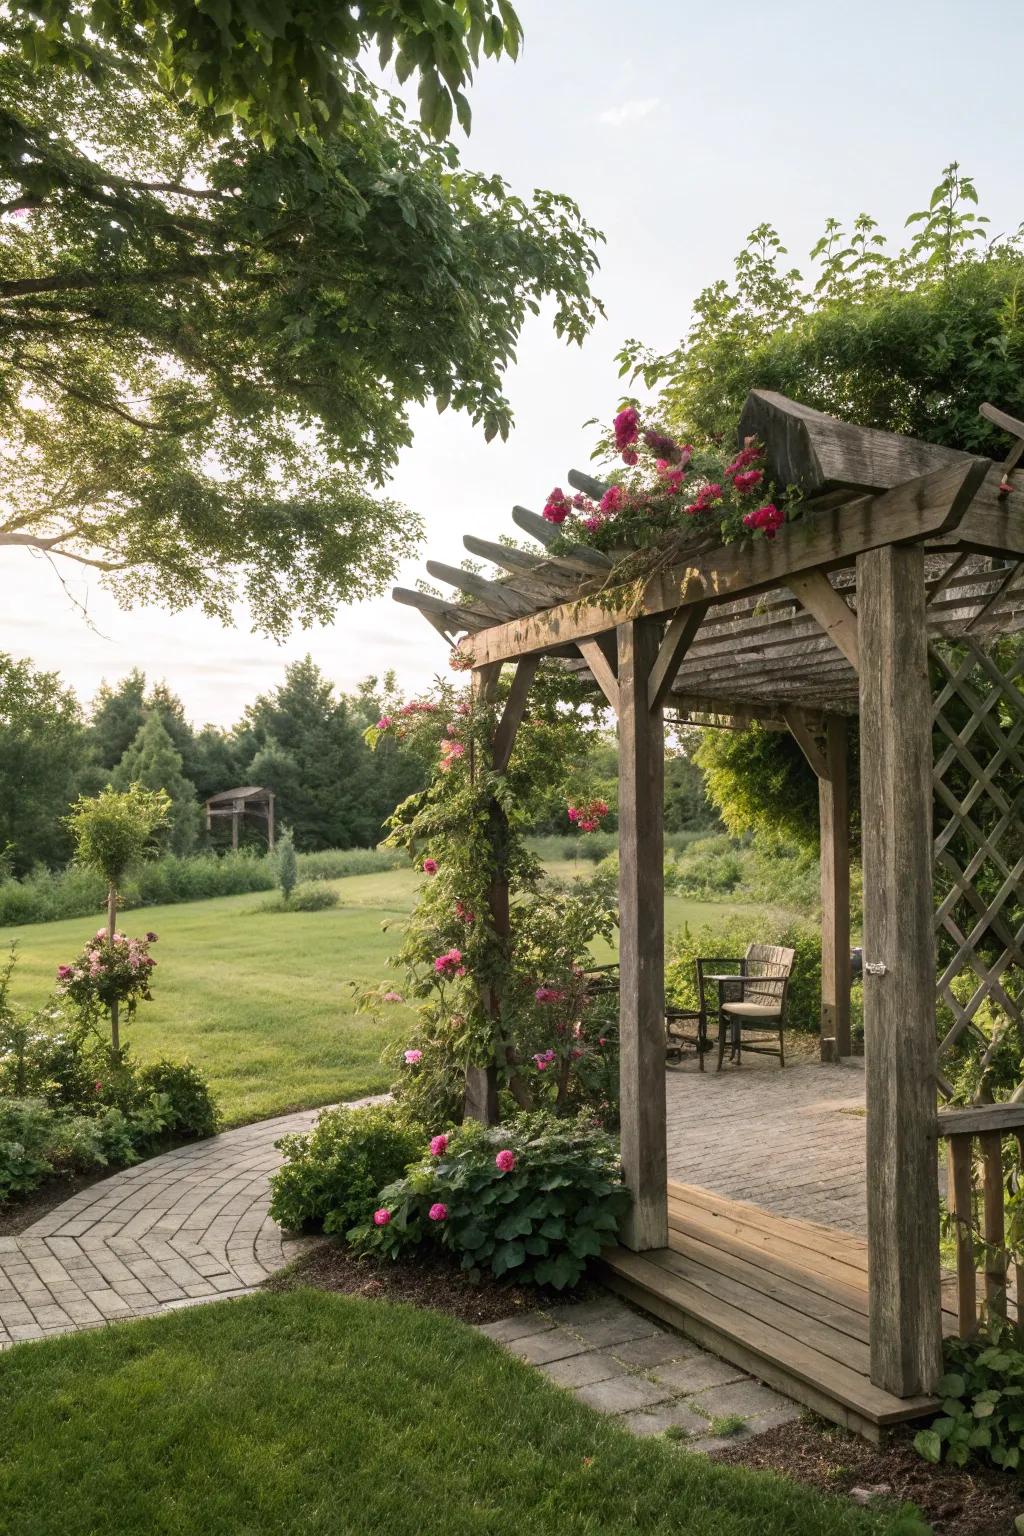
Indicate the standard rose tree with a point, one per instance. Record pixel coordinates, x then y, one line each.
112 831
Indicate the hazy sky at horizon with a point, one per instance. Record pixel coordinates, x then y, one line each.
677 128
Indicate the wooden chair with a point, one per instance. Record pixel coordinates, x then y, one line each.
753 997
677 1034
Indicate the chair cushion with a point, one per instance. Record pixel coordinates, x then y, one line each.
752 1010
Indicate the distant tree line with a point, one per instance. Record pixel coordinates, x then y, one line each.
302 739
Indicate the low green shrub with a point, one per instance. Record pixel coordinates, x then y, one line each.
711 867
332 1173
189 1107
532 1200
26 1140
311 897
982 1404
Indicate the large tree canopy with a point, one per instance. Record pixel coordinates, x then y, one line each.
206 340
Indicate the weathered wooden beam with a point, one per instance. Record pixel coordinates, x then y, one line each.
807 741
834 827
910 512
642 940
454 615
512 714
838 620
596 657
819 453
579 556
530 570
491 595
679 636
581 481
899 965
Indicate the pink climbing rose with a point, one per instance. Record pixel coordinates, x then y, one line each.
430 866
438 1145
438 1212
450 963
381 1217
412 1058
393 997
505 1160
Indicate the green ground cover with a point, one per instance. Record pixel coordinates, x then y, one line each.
323 1414
264 1002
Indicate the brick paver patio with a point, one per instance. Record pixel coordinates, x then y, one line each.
193 1224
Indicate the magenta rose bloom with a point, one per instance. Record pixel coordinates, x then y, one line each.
505 1160
412 1057
381 1217
430 866
438 1146
438 1212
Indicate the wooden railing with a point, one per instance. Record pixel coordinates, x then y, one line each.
976 1205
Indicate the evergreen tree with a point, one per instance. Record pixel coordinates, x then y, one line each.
287 865
42 764
116 718
153 762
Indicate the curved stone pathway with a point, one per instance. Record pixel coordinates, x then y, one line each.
188 1226
193 1224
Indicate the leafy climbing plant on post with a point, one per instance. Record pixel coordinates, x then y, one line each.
113 831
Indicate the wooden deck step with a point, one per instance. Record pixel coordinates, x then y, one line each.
784 1300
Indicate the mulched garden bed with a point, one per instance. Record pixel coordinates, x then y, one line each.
423 1282
23 1210
957 1501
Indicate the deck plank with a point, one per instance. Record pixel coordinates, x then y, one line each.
785 1299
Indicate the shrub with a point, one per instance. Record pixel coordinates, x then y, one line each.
532 1200
713 866
26 1139
332 1173
731 937
287 865
312 897
188 1105
983 1404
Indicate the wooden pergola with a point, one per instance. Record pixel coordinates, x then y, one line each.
246 800
907 560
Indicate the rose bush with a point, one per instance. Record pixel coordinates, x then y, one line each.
532 1200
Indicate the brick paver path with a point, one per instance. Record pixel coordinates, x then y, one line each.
186 1226
789 1140
193 1224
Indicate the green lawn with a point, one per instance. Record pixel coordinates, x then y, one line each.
328 1416
264 1002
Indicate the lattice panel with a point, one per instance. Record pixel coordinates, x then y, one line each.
978 740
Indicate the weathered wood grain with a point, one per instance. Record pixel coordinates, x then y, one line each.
899 1008
642 939
834 825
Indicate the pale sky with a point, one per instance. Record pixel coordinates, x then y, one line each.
677 127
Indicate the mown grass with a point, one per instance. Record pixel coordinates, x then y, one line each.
265 1002
338 1417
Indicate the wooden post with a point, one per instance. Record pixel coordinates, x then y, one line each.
899 972
270 821
642 938
234 826
481 1099
834 822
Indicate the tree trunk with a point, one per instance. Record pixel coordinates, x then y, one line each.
115 1038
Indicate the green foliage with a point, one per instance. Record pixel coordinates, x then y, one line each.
760 781
153 762
910 341
537 1221
26 1141
982 1395
114 830
294 70
287 864
710 867
730 937
188 1106
314 896
331 1174
41 752
210 340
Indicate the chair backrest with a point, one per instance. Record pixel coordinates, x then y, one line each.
775 964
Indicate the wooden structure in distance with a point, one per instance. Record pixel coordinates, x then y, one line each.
900 543
248 800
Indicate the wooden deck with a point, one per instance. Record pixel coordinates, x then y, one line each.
785 1299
